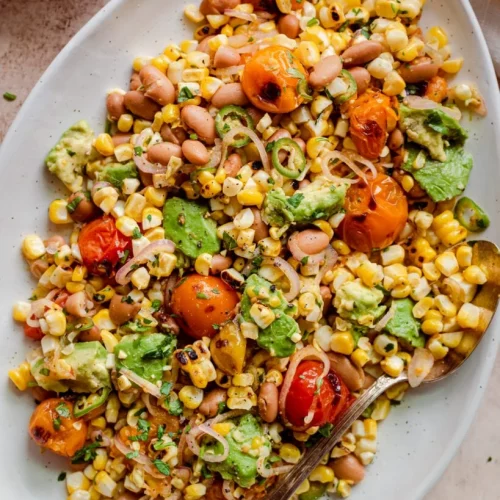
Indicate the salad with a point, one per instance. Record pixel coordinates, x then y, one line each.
272 219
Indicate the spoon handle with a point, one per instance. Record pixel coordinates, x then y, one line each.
289 482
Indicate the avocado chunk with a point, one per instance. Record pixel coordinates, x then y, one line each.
319 200
116 173
316 490
441 180
239 466
403 325
430 128
71 153
357 302
188 225
276 338
145 354
87 363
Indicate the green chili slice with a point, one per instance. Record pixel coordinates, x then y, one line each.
352 88
471 215
81 325
296 161
86 404
230 117
304 90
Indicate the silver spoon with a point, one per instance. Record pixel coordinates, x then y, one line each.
487 256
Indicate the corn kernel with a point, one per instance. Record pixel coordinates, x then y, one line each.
191 396
56 322
33 247
58 212
151 217
475 275
322 474
104 484
21 376
76 481
195 491
21 311
290 453
104 144
307 53
392 365
343 343
170 113
437 34
103 321
468 317
341 247
134 206
192 12
125 122
203 263
453 66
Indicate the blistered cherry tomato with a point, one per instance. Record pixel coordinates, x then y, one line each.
333 397
54 427
33 332
371 115
101 245
202 304
270 80
375 214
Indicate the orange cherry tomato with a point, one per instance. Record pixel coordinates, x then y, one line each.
437 89
200 302
375 214
334 396
265 5
50 429
33 332
371 113
270 80
101 245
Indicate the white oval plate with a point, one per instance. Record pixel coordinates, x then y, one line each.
419 438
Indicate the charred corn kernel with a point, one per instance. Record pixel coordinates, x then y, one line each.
191 396
387 8
243 379
223 428
270 247
217 20
151 217
195 491
170 113
239 264
80 495
99 423
77 481
141 61
209 86
56 322
448 229
102 320
437 349
125 122
58 212
172 51
447 264
134 206
262 315
464 255
155 197
468 316
360 358
227 30
385 345
452 66
203 263
392 365
33 247
411 51
104 484
475 275
421 252
307 53
322 474
275 377
341 247
126 225
432 326
437 34
210 189
104 144
290 453
467 344
21 311
445 306
204 177
381 409
393 84
21 376
342 342
192 12
250 197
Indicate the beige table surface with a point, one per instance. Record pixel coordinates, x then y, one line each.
32 32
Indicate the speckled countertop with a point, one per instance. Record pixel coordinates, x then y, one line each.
31 35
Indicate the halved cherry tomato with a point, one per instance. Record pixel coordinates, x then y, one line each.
371 114
50 429
33 332
101 245
375 214
334 396
264 5
270 80
202 302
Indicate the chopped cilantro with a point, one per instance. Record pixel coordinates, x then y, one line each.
162 467
389 347
156 305
138 150
184 94
229 241
175 408
161 431
71 206
124 257
8 96
201 295
313 22
61 476
221 407
127 299
132 455
304 260
193 137
63 410
295 73
166 388
136 234
326 429
45 372
71 153
85 454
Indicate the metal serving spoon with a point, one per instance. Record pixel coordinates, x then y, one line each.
486 255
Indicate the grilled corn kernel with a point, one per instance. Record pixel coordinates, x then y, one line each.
58 212
191 396
411 51
371 274
104 484
422 307
161 62
448 229
33 247
103 321
56 322
243 379
210 189
341 247
437 349
170 113
437 34
385 345
392 365
322 474
342 342
192 12
468 316
475 275
151 217
262 315
209 86
134 206
223 428
203 263
464 255
195 491
381 409
422 252
445 306
104 144
21 376
250 197
125 122
307 53
447 264
387 8
270 247
290 453
393 84
453 66
155 197
126 225
77 481
359 357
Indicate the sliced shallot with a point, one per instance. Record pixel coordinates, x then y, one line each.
140 160
386 318
144 384
289 272
420 366
271 471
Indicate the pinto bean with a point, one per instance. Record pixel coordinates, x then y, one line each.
141 105
127 496
259 226
231 93
177 135
217 6
362 78
210 404
232 165
220 263
161 153
157 85
76 304
201 121
56 241
92 335
115 106
226 56
361 53
84 209
420 70
325 71
348 468
120 312
353 376
268 402
146 179
369 381
40 394
38 267
289 25
120 139
256 114
396 139
195 152
326 295
203 45
135 81
312 241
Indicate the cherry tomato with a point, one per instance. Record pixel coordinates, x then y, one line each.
437 89
50 429
371 113
265 5
33 332
200 302
333 397
270 80
375 214
101 245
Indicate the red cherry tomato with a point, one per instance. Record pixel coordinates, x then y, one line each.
101 245
334 396
33 332
200 302
375 214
